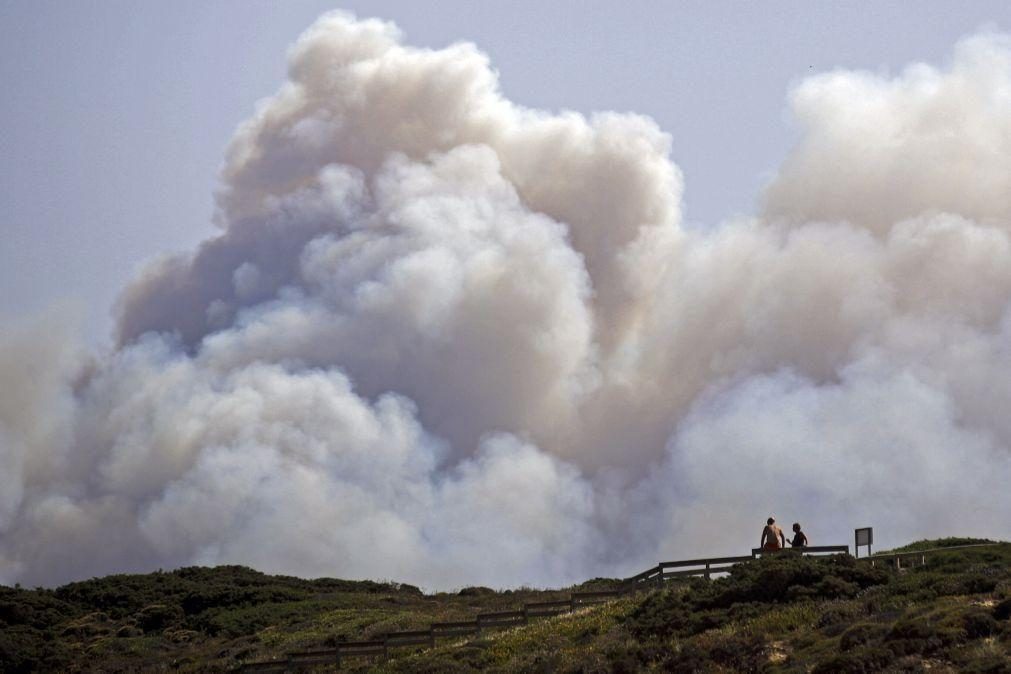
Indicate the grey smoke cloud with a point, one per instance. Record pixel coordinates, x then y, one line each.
444 339
928 139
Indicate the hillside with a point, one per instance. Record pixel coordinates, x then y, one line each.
825 614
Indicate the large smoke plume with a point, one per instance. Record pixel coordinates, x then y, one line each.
444 339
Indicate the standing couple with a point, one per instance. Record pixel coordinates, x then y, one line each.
773 538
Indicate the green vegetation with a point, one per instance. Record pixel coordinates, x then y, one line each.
778 613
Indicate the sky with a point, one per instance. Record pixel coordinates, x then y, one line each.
498 294
115 115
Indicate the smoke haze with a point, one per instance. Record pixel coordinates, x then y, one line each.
447 340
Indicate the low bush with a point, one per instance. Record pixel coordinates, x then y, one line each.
784 578
739 653
476 591
467 658
629 658
979 624
659 616
862 634
746 594
857 661
917 636
157 617
838 615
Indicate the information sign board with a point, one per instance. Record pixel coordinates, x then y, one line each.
864 536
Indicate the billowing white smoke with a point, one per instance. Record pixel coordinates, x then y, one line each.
447 340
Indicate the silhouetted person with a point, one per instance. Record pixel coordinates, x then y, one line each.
799 537
772 536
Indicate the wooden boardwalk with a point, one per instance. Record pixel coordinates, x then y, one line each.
381 646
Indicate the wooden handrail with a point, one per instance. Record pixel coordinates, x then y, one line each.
897 557
644 575
265 666
804 551
914 553
703 562
355 646
459 624
534 606
314 654
408 638
501 619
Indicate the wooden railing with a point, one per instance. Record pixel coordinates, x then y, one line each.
897 557
810 550
380 646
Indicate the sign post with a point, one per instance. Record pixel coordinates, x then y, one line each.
864 536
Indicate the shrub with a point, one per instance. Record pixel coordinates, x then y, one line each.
746 611
742 653
36 608
911 636
23 649
979 624
157 617
791 577
234 622
463 659
862 634
629 658
833 587
837 615
988 664
1002 611
597 584
659 615
476 591
858 661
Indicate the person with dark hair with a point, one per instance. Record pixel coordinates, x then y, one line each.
772 537
799 537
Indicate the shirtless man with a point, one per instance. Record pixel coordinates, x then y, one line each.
772 536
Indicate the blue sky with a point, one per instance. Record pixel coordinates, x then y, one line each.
115 115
